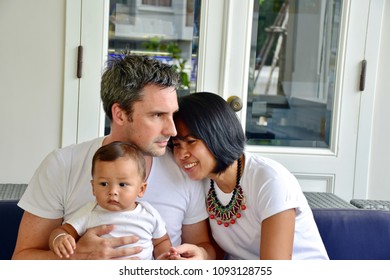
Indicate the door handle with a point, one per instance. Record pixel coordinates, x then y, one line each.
235 103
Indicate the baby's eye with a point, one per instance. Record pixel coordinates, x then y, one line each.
103 184
122 184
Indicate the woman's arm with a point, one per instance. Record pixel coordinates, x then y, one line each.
196 244
277 236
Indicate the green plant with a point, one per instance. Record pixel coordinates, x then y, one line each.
155 44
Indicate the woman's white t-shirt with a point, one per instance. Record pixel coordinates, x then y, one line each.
269 188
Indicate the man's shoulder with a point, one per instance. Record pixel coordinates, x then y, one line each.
81 148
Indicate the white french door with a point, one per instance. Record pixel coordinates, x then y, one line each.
340 168
224 68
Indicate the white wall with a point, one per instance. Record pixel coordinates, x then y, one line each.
380 152
31 84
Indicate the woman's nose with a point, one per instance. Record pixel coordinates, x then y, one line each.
184 154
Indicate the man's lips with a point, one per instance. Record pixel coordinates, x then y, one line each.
162 143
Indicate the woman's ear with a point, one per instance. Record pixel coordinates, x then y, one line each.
118 114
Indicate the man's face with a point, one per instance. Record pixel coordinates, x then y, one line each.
151 124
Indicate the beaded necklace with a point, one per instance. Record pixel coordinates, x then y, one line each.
227 214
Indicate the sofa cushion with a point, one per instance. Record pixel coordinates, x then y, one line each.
354 234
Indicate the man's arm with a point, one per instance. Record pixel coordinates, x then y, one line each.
33 241
197 234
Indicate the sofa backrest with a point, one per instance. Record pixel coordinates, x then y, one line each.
354 234
10 216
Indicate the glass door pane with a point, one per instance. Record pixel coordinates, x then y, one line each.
292 72
165 29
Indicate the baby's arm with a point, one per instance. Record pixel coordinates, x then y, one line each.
62 240
161 247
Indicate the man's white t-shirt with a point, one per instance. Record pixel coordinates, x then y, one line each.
61 185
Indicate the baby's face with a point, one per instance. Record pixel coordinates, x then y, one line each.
117 184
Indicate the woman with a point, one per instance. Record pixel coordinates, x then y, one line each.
256 207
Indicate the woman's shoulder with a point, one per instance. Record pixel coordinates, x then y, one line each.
258 162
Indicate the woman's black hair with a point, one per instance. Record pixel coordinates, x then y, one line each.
208 117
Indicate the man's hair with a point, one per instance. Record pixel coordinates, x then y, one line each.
116 150
127 74
209 118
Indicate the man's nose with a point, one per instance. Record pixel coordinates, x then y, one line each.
170 128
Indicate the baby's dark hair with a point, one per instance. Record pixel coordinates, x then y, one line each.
117 149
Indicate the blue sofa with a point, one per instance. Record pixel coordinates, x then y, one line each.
354 234
348 234
10 216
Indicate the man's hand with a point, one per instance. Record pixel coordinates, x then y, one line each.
91 246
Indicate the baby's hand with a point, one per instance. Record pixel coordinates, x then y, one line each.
64 245
172 254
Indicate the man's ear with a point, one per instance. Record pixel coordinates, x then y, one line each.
118 114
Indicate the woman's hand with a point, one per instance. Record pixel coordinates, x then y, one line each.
187 252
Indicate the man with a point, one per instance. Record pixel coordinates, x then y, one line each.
139 97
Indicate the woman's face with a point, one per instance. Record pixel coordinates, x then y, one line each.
191 154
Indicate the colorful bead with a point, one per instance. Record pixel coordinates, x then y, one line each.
226 214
